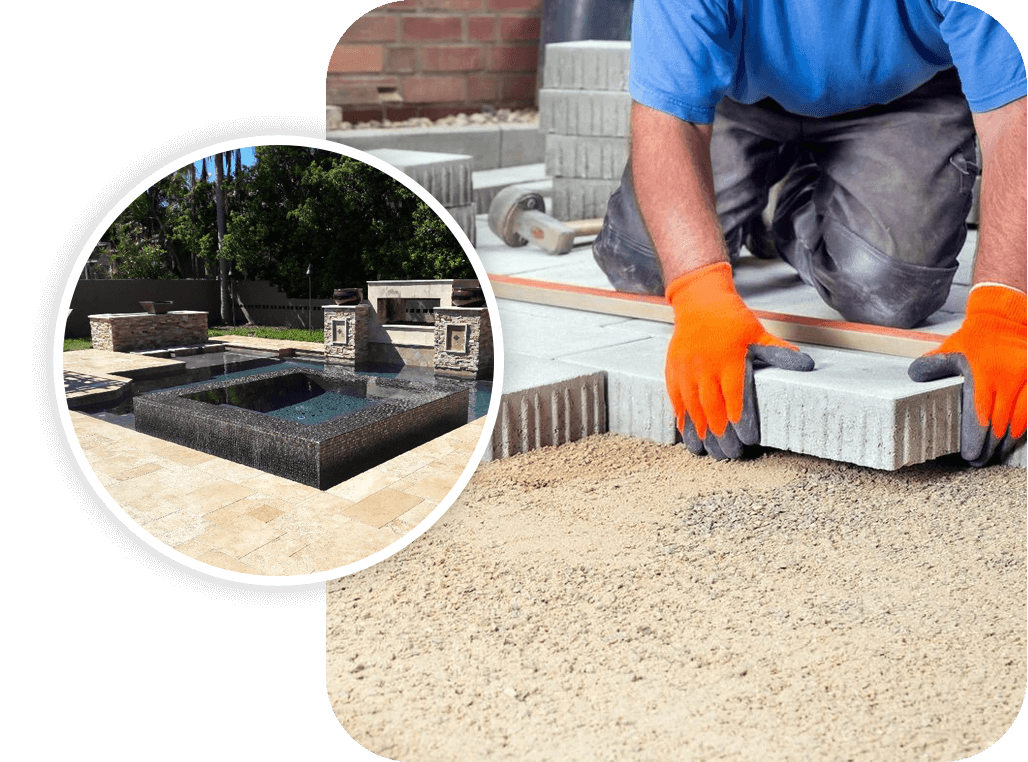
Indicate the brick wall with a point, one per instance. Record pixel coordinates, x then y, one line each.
432 58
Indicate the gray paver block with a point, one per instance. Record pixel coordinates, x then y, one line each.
860 408
637 401
446 176
585 112
490 147
548 415
587 65
521 144
580 198
487 183
576 156
559 338
481 143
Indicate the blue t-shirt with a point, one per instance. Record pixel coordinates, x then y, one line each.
814 57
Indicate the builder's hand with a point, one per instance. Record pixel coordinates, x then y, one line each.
989 352
709 370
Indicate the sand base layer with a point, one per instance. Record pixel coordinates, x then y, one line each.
613 599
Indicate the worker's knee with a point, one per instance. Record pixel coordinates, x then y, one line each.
623 249
868 287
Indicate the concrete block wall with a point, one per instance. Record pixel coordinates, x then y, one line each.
432 58
584 110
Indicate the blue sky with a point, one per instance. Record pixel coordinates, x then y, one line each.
248 160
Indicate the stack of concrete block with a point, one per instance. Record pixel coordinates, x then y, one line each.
584 109
447 176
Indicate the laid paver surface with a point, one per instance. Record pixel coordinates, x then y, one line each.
238 518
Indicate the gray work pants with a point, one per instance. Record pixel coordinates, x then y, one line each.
871 211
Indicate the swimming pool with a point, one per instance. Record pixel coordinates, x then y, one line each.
357 421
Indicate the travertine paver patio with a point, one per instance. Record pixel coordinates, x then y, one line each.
239 518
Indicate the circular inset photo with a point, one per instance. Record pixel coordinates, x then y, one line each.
278 360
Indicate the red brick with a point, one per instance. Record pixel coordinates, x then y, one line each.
371 29
367 114
514 58
452 5
401 5
482 28
519 28
483 87
399 60
515 5
431 28
434 89
350 59
352 91
519 87
450 58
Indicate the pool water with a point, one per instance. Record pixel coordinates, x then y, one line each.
292 398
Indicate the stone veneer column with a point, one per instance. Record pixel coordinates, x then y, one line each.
346 333
463 342
139 331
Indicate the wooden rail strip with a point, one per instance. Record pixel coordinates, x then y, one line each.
807 330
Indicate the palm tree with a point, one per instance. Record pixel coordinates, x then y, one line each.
219 200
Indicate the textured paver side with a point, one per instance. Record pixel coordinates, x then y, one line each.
573 156
584 112
446 176
587 65
580 198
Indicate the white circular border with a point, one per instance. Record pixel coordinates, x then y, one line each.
120 513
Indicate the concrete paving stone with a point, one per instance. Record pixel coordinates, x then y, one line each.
264 512
637 401
447 176
194 548
956 302
520 144
811 305
525 337
577 268
579 199
859 408
229 470
482 144
487 183
232 511
586 157
965 259
326 502
587 65
120 465
490 147
517 310
406 464
549 414
585 112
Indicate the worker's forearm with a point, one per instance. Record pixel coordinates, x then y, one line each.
1001 256
674 187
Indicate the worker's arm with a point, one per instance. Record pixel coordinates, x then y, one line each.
1001 230
709 371
674 187
989 349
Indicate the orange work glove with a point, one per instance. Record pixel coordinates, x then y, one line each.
709 369
989 352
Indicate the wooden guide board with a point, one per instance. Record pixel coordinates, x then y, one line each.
805 330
